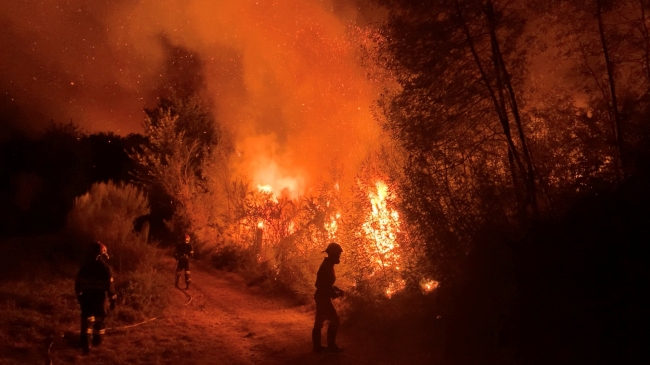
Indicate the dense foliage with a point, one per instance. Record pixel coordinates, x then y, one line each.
509 114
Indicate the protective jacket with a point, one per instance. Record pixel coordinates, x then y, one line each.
94 284
182 254
95 278
325 279
183 251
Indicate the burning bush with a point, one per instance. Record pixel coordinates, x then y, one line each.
283 239
273 237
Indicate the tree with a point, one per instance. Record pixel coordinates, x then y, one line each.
193 120
609 46
458 115
180 158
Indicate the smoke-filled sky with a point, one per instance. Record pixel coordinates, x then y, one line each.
282 74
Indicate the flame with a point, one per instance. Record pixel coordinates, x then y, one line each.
381 228
265 189
428 285
260 225
395 287
332 226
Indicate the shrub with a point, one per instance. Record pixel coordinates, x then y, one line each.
142 294
107 213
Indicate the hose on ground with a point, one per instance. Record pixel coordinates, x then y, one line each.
49 348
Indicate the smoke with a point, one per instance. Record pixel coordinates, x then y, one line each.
282 75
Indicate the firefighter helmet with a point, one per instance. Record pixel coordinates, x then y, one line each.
99 250
187 237
333 248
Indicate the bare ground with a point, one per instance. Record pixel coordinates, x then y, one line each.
226 322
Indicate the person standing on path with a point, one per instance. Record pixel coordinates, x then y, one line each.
94 283
325 292
182 254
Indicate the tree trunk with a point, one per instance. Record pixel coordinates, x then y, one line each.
646 38
513 155
615 116
503 80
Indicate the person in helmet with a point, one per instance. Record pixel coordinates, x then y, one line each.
93 286
182 255
325 292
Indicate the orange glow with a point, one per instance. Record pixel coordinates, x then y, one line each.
381 227
260 225
285 77
428 285
394 287
332 226
274 177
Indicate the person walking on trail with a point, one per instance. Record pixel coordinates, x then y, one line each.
325 292
182 254
93 285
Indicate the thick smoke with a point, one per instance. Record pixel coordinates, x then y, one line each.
282 75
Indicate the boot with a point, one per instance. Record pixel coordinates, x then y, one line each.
331 339
85 344
187 285
315 339
97 339
99 329
85 334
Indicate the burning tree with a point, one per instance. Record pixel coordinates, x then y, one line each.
381 228
384 256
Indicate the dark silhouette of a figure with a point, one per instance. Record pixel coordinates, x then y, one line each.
94 284
182 255
325 292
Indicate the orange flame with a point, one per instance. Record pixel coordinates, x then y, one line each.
381 228
428 285
265 189
395 287
332 226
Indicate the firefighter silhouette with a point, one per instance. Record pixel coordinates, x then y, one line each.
182 255
325 292
93 286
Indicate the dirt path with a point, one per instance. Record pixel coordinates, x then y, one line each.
226 323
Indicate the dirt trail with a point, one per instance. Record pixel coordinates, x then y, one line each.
227 323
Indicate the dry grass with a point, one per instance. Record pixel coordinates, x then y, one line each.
33 314
37 312
37 301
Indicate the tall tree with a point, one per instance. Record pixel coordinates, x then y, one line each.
457 111
178 159
609 44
